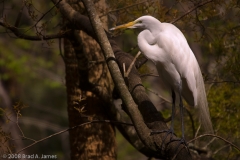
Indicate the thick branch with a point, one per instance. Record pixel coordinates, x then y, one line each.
135 115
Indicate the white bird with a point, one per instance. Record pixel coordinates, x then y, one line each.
166 46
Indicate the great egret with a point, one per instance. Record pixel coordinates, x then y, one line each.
166 46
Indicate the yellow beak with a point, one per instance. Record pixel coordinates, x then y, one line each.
123 26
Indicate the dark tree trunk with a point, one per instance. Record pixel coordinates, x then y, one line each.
86 71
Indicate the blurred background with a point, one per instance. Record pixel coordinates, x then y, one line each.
32 73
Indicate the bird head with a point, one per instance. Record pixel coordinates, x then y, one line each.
145 22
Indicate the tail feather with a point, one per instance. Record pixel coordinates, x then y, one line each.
202 104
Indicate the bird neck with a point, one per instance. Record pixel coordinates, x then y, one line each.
146 41
155 28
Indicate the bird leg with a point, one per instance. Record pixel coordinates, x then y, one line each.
181 114
182 140
171 130
173 110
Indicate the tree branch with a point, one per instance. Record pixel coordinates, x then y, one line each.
17 33
66 130
135 115
191 10
212 135
131 65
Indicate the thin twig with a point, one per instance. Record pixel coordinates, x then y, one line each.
19 16
60 48
131 65
124 70
198 129
201 25
149 74
210 142
44 15
124 8
91 122
192 121
202 150
191 10
164 99
17 33
228 145
212 135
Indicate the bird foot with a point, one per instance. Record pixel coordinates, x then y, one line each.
168 132
171 133
181 141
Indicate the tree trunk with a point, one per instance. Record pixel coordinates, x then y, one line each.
86 71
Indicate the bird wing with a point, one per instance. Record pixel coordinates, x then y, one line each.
178 56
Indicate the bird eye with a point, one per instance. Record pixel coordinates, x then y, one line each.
139 21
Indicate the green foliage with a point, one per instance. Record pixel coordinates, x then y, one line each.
32 72
12 63
21 65
225 107
225 104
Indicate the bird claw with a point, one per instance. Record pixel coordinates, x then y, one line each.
171 132
181 141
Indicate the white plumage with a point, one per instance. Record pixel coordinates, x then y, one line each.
166 46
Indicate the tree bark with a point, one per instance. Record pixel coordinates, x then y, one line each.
86 70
